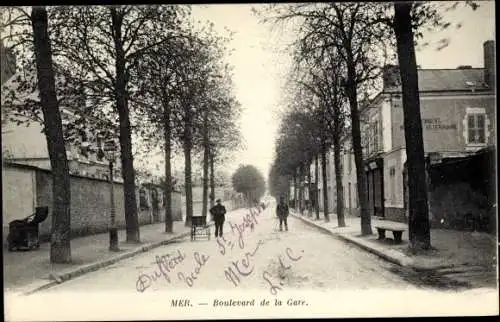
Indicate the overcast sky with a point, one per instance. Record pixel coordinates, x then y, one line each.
259 70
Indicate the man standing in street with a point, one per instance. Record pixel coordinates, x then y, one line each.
218 214
282 212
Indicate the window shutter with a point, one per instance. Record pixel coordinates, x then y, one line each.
481 138
471 123
471 135
480 122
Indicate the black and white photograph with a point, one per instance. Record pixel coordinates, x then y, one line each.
249 160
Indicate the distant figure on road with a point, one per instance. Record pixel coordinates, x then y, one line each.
282 212
218 214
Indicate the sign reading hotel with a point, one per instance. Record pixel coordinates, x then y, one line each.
434 124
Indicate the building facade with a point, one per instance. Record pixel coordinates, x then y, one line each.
8 63
458 120
331 186
349 179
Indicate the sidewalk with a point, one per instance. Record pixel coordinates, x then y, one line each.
465 257
30 271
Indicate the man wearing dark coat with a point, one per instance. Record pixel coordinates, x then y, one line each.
282 213
218 214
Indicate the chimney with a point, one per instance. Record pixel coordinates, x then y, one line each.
489 63
391 76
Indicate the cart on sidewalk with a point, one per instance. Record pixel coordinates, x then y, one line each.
199 227
24 233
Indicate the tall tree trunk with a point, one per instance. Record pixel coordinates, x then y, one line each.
127 159
60 246
301 188
338 177
316 193
187 166
212 179
418 223
206 152
325 181
288 185
366 226
309 188
169 225
295 190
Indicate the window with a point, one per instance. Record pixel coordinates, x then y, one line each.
365 139
350 197
375 137
476 126
370 140
356 203
143 202
343 197
327 167
350 161
392 185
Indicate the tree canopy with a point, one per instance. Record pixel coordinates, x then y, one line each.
248 180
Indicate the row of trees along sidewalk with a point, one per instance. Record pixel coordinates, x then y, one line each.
338 57
124 71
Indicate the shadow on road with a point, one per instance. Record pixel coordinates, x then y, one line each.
429 279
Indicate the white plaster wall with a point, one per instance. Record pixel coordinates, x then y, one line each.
18 194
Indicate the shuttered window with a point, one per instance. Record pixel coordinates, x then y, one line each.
476 128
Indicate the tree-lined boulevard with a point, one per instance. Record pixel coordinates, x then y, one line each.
125 82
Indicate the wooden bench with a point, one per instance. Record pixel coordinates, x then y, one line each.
396 228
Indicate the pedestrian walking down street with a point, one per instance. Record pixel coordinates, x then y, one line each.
218 213
282 212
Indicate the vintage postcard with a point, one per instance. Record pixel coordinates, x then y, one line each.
247 161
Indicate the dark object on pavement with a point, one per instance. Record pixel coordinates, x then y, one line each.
199 227
24 233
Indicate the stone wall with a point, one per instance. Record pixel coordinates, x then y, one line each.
90 201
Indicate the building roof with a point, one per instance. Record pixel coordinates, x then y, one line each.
443 80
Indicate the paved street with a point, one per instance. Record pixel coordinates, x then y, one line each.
296 267
311 260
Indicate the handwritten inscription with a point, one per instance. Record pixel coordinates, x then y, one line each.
200 260
242 267
165 265
249 221
286 265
